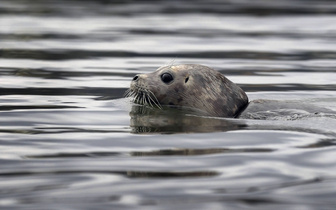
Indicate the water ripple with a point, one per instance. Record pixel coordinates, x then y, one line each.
68 141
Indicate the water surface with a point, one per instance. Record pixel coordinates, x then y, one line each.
68 140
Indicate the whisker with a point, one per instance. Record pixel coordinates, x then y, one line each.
155 100
152 100
143 96
148 98
139 98
136 98
145 102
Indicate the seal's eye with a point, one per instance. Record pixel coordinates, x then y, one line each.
166 78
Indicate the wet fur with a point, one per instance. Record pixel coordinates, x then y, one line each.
194 86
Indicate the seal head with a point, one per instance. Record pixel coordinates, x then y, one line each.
189 85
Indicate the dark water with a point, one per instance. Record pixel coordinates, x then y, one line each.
68 141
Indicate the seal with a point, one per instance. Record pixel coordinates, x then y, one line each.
191 86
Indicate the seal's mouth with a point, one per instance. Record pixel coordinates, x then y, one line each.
143 96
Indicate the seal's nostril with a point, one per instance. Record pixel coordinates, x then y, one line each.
135 78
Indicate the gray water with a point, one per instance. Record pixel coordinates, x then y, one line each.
69 141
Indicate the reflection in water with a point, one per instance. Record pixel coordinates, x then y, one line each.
265 115
145 119
192 152
128 174
322 143
194 174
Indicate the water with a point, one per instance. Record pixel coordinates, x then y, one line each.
68 140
